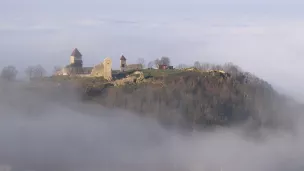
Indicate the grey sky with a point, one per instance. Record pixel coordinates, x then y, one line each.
263 36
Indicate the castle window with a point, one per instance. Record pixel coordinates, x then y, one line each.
122 65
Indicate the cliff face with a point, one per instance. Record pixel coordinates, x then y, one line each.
195 99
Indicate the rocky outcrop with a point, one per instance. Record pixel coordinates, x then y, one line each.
133 78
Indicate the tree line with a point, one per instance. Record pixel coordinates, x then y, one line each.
10 72
228 67
154 63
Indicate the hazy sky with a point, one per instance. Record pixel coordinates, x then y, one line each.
263 36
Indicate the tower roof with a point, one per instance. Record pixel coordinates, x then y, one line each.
123 58
76 53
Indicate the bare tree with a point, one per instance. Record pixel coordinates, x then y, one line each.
157 62
151 64
57 69
35 71
181 66
9 73
231 68
165 61
39 71
205 66
29 71
216 67
197 65
142 62
162 61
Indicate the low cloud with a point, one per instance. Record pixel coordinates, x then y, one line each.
50 132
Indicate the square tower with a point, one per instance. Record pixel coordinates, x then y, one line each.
76 58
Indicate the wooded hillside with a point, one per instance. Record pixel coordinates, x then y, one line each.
194 99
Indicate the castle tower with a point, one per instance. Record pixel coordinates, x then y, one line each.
107 64
76 58
123 63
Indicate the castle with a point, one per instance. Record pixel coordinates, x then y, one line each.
104 69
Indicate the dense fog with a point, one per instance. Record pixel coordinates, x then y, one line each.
42 134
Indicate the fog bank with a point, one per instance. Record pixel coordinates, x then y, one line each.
39 134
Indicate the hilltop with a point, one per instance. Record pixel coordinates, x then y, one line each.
188 98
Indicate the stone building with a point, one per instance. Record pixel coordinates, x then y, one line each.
75 66
125 67
103 69
76 58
